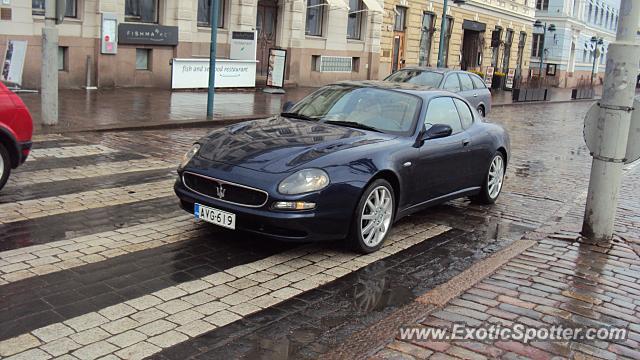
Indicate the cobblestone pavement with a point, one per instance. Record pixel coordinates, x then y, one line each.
97 260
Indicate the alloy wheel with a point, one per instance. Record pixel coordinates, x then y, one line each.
496 176
1 166
376 216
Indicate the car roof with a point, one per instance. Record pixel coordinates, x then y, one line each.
422 91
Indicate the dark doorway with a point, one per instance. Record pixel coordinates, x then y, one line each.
266 22
471 49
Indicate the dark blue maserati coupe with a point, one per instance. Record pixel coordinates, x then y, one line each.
344 163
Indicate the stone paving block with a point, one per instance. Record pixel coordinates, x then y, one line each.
220 291
185 317
117 311
168 339
33 354
156 327
52 332
120 325
148 315
127 338
86 321
18 344
95 350
170 293
138 351
244 309
89 336
196 328
222 318
174 306
60 346
211 307
410 349
144 302
194 286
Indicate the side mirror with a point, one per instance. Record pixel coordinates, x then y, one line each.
437 131
287 106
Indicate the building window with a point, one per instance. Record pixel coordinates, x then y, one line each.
496 37
542 4
37 8
315 17
141 11
204 13
426 38
506 59
355 64
143 59
606 23
584 56
536 45
354 21
521 44
447 39
401 18
315 62
63 58
590 11
601 15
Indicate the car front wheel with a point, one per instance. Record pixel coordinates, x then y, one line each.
5 166
373 217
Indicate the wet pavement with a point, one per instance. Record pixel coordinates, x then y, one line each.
97 259
81 110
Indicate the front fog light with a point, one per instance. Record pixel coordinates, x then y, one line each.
189 155
294 205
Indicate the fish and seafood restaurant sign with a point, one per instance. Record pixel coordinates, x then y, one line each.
194 73
145 34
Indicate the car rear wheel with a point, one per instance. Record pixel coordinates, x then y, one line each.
5 166
373 217
481 110
493 181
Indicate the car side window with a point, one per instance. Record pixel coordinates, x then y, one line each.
479 83
465 81
465 113
442 110
451 83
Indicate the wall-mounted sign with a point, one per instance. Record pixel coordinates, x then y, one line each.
194 73
243 45
14 61
511 73
145 34
277 63
109 34
488 76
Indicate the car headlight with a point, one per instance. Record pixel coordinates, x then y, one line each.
189 155
304 181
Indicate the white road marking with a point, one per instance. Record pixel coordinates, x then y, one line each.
68 151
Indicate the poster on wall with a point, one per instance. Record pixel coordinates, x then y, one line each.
13 63
511 74
194 73
109 38
488 76
277 63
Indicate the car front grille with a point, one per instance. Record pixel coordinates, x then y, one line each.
225 191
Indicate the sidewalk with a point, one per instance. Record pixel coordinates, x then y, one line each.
130 108
561 280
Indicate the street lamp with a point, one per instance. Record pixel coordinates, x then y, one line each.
595 42
551 28
443 29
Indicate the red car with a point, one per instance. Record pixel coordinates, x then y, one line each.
16 128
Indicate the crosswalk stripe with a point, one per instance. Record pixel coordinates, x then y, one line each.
48 137
59 255
32 209
68 151
143 326
89 171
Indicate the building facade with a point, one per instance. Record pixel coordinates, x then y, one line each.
480 33
326 40
569 53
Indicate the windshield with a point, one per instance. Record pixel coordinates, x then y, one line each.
418 77
361 107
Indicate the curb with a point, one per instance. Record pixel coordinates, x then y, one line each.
193 123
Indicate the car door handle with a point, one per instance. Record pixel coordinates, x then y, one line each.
475 95
465 142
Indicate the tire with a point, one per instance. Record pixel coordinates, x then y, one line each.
382 214
481 110
5 166
488 194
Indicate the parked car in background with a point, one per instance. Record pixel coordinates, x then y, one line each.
346 161
468 85
16 129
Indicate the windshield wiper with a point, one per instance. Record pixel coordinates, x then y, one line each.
353 124
297 116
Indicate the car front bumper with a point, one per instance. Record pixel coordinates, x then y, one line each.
321 223
25 149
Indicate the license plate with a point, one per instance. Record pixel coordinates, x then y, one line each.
215 216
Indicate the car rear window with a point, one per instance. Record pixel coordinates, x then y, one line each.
418 77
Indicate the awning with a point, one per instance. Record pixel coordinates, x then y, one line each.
373 5
340 4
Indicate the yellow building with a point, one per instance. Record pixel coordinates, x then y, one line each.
481 33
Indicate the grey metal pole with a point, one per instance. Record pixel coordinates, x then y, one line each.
593 68
443 29
49 73
544 38
613 125
212 58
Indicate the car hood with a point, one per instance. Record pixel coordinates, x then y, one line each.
280 144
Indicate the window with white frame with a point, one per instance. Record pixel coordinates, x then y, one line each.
400 23
354 21
141 11
204 13
542 4
315 17
37 8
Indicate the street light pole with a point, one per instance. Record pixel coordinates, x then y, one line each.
49 73
612 131
443 29
594 46
212 57
544 38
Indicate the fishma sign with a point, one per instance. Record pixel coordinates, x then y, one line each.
194 73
